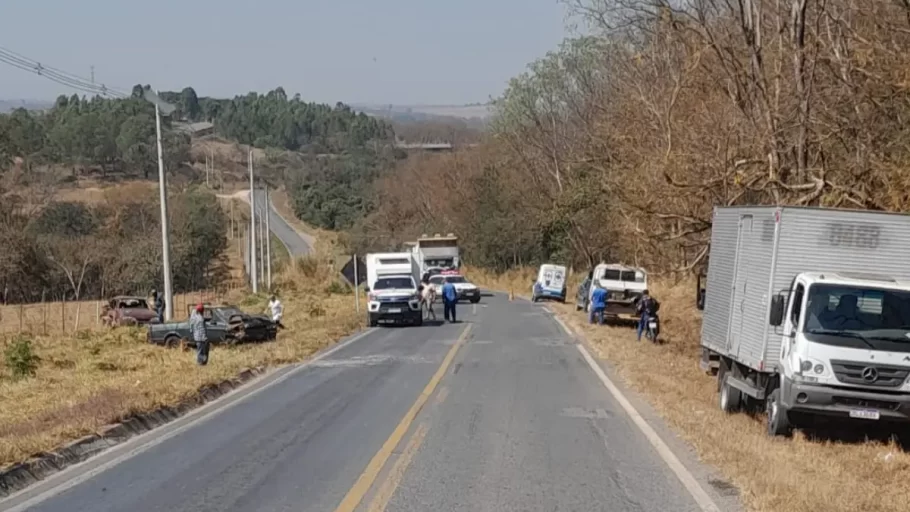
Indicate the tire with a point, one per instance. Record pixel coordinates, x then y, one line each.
172 341
778 421
372 322
418 321
475 300
731 399
534 298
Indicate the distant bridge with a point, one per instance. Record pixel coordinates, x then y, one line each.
425 146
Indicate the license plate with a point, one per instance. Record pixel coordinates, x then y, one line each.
394 310
653 325
864 414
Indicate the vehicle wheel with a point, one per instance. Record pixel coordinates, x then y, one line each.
533 298
372 322
778 420
475 300
418 321
731 399
562 300
172 341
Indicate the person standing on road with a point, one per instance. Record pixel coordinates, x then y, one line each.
428 297
197 326
598 304
277 310
449 299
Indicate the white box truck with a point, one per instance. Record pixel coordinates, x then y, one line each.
392 289
807 313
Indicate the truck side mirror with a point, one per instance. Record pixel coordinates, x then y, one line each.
777 311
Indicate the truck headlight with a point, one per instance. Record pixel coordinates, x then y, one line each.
805 366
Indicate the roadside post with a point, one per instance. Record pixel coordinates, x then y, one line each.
353 272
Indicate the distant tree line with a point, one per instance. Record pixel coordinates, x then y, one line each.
83 251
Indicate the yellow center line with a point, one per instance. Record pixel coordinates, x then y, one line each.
355 495
384 495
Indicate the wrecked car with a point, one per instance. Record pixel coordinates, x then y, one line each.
223 325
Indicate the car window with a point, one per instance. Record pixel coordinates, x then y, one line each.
437 280
388 283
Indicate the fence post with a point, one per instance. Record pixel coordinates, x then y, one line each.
21 306
63 313
44 311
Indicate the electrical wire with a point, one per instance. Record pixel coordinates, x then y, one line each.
59 76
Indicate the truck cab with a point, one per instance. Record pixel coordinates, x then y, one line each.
624 285
845 349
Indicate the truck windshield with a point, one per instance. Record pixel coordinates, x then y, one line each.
847 315
388 283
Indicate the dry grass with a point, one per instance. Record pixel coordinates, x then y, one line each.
88 380
798 475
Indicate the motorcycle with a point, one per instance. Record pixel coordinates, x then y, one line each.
652 328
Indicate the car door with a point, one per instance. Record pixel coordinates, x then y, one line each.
216 327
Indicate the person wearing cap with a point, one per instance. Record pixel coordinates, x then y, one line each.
197 326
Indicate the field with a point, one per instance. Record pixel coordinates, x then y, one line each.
797 475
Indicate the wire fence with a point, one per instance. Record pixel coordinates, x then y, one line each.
68 317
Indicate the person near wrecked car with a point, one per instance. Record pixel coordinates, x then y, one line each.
158 303
449 299
598 304
197 326
276 308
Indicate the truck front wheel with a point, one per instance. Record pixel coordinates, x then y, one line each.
778 420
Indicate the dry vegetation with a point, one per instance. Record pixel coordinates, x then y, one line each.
802 474
88 380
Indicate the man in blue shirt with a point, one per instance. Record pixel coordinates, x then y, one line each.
598 304
449 299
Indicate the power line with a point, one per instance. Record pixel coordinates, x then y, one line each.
59 76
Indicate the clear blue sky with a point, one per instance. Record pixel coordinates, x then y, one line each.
425 51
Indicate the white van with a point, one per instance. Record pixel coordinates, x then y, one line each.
550 283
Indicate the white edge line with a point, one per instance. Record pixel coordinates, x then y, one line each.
685 477
68 480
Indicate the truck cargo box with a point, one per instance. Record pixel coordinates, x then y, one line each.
757 251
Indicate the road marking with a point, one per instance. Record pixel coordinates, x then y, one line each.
363 484
441 396
564 326
71 476
688 480
384 495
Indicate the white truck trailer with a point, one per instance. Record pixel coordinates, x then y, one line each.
436 251
807 312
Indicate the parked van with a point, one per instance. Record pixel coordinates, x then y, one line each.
550 283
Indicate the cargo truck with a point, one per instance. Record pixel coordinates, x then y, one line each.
807 314
436 251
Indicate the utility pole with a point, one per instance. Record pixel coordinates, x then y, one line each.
165 238
268 240
261 248
253 276
232 218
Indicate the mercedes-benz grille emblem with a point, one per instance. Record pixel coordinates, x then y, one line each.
870 374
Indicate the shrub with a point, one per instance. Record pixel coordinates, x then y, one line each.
21 360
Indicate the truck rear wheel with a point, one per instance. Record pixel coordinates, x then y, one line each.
778 420
731 399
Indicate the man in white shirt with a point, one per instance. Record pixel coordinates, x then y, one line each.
277 310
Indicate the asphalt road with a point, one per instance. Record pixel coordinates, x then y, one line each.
512 418
297 244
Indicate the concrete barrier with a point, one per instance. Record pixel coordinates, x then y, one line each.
41 465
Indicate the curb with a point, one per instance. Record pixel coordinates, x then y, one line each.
18 476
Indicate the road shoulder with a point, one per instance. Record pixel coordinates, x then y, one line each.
721 493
